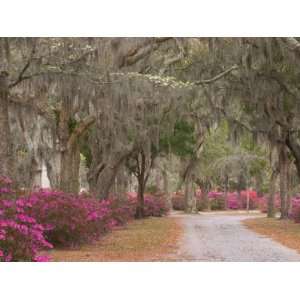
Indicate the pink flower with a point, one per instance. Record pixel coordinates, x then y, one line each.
26 219
20 202
5 190
7 203
2 235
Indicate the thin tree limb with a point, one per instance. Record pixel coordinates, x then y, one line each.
217 77
25 68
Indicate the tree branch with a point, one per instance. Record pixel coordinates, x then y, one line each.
80 129
136 53
39 105
25 68
172 60
292 44
217 77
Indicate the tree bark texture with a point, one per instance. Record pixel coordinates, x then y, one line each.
271 197
6 152
189 193
283 165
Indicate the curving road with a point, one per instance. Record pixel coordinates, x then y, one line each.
222 237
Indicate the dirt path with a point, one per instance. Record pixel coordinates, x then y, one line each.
222 237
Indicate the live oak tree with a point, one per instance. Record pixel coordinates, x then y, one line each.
116 99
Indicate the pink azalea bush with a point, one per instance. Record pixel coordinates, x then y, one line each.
253 199
21 235
215 200
124 211
178 201
71 220
263 203
294 213
34 223
30 224
154 205
295 209
233 201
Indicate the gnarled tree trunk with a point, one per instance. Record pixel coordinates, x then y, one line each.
69 148
7 166
294 147
121 184
166 188
283 165
226 187
189 194
102 177
69 173
289 189
140 209
272 191
142 179
53 169
106 179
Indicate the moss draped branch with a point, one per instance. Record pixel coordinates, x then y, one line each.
80 129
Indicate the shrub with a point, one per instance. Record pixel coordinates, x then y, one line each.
47 218
21 236
22 239
178 201
71 220
212 200
34 223
154 205
295 209
233 201
217 204
124 211
263 203
253 200
217 201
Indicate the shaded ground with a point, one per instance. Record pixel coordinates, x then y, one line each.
223 237
284 231
152 239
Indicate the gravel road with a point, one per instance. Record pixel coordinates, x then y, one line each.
222 237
